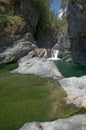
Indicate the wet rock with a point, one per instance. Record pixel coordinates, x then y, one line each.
38 66
16 51
76 90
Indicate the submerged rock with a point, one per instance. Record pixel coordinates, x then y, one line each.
77 122
38 66
76 90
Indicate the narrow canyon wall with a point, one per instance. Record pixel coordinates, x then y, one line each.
73 36
77 31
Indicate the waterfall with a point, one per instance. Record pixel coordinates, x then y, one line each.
54 55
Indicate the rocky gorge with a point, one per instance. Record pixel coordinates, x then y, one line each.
31 47
72 38
70 42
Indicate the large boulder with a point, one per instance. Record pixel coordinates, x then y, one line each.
77 122
18 49
76 90
38 66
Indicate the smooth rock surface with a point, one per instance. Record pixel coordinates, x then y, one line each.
76 90
77 122
16 51
38 66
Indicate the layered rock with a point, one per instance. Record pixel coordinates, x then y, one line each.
76 90
77 122
18 49
38 66
73 37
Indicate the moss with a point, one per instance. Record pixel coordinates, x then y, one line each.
80 34
2 18
22 100
12 23
46 20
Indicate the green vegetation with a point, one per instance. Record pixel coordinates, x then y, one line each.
2 18
71 69
25 98
12 23
47 18
80 34
62 23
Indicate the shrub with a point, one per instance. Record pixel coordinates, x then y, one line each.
12 23
46 20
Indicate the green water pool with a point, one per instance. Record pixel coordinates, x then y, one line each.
70 69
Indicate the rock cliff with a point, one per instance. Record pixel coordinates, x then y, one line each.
16 41
73 36
18 30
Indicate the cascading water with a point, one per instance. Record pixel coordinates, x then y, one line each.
54 55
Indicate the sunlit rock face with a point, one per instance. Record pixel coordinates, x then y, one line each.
38 66
76 90
63 9
61 12
77 122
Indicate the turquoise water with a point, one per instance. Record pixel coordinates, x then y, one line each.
70 69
